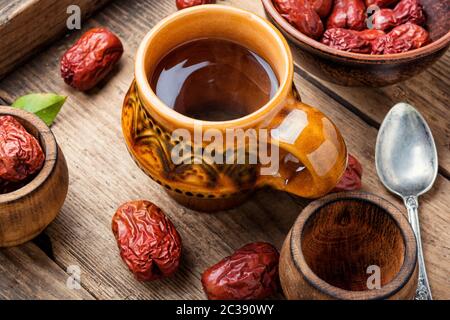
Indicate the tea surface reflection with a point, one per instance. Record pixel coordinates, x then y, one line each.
214 80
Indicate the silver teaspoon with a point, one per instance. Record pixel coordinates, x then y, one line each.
407 164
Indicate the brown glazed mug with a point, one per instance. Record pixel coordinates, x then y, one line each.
312 153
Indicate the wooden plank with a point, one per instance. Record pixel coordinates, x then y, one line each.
103 176
4 3
27 273
27 25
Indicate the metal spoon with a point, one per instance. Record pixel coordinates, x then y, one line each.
407 165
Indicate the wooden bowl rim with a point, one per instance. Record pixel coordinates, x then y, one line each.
356 57
51 153
395 285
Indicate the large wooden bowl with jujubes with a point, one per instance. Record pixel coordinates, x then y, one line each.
365 70
26 212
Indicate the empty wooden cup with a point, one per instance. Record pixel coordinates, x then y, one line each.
26 212
353 246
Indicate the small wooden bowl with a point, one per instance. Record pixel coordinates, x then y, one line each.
27 211
355 69
332 249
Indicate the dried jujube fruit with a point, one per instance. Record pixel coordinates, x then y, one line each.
183 4
322 7
351 40
20 153
91 59
148 242
301 14
349 14
380 3
405 11
251 273
403 38
352 27
351 180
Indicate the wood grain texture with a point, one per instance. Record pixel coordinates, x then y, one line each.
27 273
4 3
103 176
27 25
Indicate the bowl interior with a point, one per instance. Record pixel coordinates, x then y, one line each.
343 239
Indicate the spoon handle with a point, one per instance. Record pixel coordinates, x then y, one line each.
423 291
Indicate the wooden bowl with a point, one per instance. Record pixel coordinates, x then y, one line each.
354 69
27 211
338 242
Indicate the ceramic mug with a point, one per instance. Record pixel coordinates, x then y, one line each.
312 153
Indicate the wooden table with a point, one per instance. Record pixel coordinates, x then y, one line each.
102 175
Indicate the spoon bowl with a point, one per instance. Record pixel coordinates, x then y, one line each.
406 156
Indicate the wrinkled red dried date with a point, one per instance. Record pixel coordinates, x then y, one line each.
351 180
405 11
251 273
348 14
380 3
284 6
301 15
322 7
20 153
346 40
383 19
183 4
148 242
403 38
351 40
370 35
410 11
91 59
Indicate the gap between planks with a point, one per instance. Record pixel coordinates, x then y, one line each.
42 241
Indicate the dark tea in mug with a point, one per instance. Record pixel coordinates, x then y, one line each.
214 80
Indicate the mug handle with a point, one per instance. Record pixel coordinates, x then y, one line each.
312 151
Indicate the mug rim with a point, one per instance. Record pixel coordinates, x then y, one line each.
149 97
397 283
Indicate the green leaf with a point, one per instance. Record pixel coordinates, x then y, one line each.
45 105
